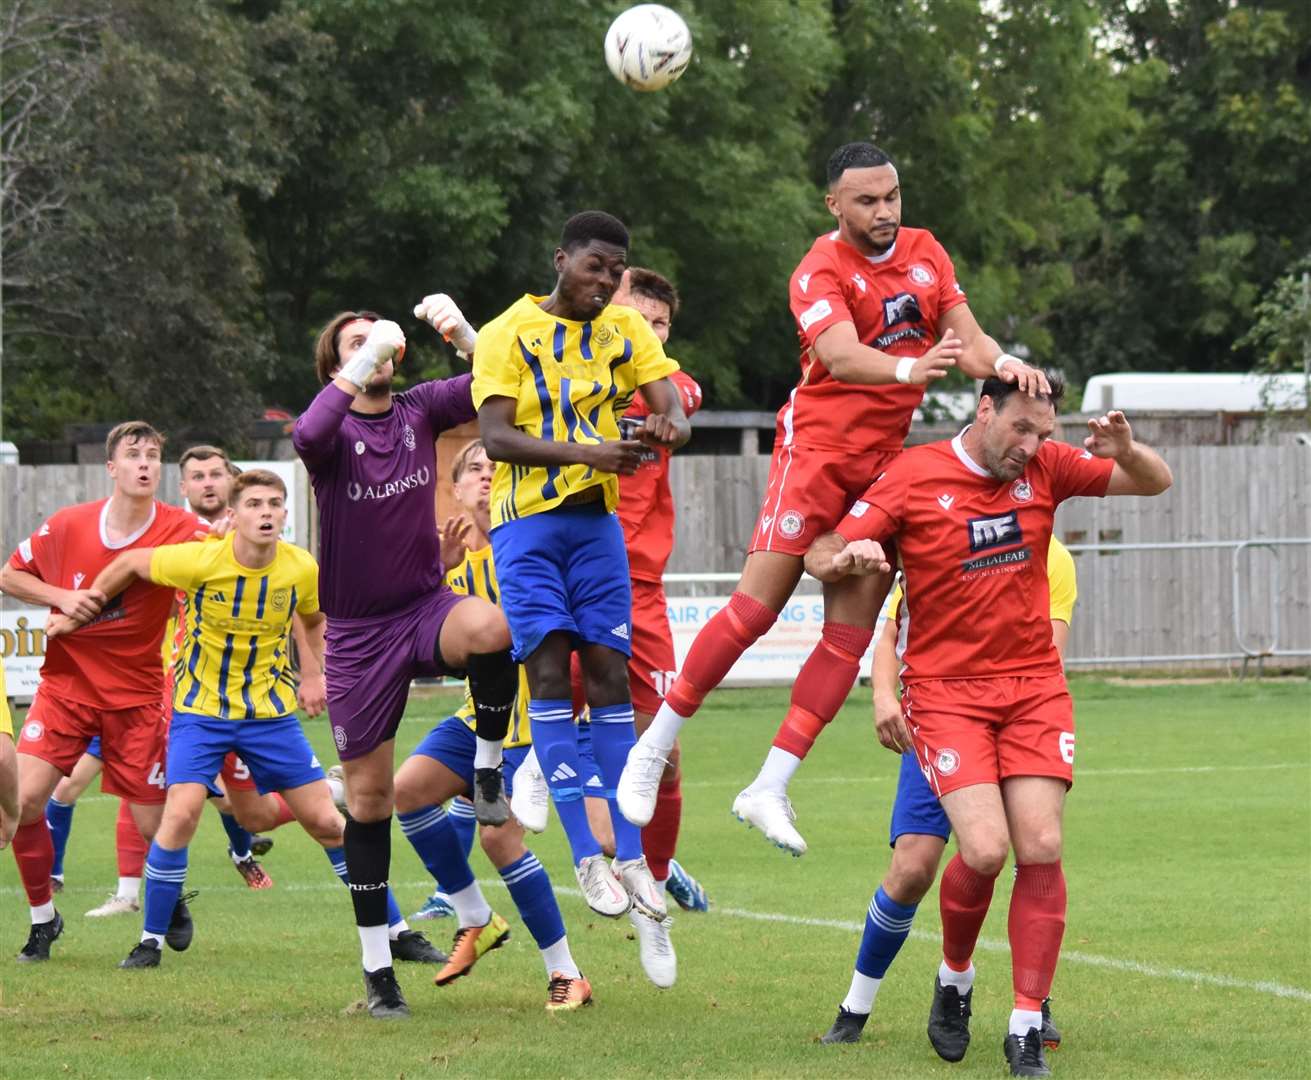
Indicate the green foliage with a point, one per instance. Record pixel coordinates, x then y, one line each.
1119 182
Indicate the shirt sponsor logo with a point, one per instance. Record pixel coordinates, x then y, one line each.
804 282
904 307
408 438
920 274
791 524
820 309
355 492
1021 491
990 532
990 562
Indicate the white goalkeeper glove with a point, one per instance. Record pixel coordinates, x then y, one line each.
442 313
386 341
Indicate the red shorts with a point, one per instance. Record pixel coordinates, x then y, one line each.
236 774
980 731
131 743
809 492
651 667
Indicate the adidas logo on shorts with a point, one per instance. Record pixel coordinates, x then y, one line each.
621 631
562 773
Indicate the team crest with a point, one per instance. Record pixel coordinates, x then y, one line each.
603 335
791 524
408 437
947 762
33 730
1021 491
920 274
279 599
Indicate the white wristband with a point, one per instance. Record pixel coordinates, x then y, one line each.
1002 360
904 368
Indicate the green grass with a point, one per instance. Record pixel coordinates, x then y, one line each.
1189 865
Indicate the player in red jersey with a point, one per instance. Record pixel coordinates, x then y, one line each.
985 705
106 681
879 315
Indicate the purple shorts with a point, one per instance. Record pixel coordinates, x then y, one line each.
370 663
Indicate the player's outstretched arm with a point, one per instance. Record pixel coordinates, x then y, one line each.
981 356
111 581
832 557
840 350
666 423
82 604
505 442
1139 470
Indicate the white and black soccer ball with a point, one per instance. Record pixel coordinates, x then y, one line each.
648 47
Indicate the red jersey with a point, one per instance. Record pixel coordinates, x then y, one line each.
646 506
974 553
114 661
895 301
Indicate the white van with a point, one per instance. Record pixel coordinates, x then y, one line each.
1180 391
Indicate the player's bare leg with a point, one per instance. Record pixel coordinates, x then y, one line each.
35 854
768 580
851 606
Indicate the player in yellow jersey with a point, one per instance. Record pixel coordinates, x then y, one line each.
919 828
8 769
551 377
441 768
234 692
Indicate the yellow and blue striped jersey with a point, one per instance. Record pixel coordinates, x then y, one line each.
6 721
476 576
570 381
234 663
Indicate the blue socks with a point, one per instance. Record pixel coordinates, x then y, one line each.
887 925
166 872
556 739
337 857
613 735
530 889
59 816
238 838
463 821
430 832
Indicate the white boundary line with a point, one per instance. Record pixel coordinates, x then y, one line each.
1069 956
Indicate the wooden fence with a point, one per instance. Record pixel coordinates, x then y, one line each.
1132 604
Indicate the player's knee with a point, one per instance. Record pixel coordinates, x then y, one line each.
909 879
370 805
1040 845
31 807
327 827
489 635
408 797
502 844
261 817
985 853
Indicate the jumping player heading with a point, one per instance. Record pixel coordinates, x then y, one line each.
879 315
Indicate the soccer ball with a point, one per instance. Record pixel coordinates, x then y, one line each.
648 47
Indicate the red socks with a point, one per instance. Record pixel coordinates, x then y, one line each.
131 845
729 634
963 899
660 836
822 686
1036 927
34 851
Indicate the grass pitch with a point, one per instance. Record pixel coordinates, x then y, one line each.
1187 953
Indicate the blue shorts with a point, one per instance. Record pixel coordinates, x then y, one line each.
565 569
93 748
276 751
452 742
593 785
916 809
